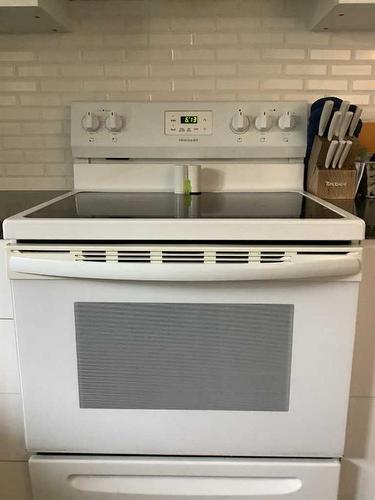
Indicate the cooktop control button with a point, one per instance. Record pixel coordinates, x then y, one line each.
114 122
263 122
240 122
90 122
287 121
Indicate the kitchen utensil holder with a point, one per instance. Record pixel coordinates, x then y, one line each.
367 185
331 183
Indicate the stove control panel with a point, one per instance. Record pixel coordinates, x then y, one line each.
264 130
188 122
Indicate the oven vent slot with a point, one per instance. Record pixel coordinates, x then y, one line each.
183 256
246 257
113 256
133 256
92 256
267 257
42 251
323 253
233 257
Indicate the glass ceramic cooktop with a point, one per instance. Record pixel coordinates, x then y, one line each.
107 205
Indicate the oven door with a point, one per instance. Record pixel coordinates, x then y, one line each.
246 367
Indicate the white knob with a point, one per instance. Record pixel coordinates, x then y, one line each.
240 122
263 122
287 121
90 122
114 122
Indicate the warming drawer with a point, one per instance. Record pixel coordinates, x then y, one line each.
106 478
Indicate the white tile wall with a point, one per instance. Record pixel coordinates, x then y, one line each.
164 49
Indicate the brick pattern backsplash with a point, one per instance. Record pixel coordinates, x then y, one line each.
149 50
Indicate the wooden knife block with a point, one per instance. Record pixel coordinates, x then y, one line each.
331 183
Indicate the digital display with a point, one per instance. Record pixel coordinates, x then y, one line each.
189 119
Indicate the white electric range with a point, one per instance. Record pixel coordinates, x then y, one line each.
185 345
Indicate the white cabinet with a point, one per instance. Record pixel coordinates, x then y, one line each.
342 15
33 16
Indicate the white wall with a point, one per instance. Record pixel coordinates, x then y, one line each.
358 471
164 49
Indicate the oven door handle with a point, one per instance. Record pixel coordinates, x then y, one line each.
299 267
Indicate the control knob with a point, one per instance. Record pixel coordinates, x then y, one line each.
114 122
240 122
287 121
263 122
90 122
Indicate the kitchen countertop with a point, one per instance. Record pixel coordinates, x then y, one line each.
362 207
13 202
365 209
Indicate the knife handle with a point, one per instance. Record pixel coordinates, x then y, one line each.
355 120
339 150
332 128
345 152
324 117
345 122
344 108
330 153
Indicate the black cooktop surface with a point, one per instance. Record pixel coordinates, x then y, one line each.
109 205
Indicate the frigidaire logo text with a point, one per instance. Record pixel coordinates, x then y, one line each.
181 139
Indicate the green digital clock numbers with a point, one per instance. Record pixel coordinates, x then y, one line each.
189 119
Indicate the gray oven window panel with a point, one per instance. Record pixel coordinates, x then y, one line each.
234 357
